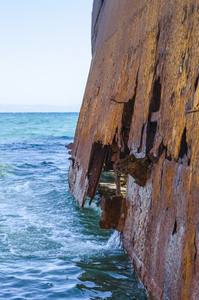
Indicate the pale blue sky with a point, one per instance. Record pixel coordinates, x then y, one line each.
45 52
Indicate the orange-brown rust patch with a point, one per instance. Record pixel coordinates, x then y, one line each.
145 59
113 213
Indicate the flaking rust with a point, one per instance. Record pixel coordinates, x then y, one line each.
140 117
138 168
113 213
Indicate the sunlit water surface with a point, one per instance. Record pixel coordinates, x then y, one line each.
49 247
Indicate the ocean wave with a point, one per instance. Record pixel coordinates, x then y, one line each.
115 241
24 188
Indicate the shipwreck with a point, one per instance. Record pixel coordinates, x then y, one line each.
140 120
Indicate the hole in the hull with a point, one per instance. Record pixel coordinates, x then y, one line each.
152 127
154 107
175 228
141 139
196 250
155 103
98 156
127 115
108 165
183 146
112 185
126 124
111 182
172 98
163 148
158 35
196 84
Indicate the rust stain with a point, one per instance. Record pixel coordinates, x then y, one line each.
139 117
113 213
138 168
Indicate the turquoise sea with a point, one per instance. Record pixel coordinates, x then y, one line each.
49 247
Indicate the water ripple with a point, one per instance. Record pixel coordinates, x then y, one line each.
49 247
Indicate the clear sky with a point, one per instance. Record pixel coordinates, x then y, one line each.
45 52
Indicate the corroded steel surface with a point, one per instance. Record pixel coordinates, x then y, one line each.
113 213
142 98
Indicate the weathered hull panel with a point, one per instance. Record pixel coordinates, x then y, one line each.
142 82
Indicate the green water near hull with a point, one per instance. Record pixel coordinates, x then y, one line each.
49 247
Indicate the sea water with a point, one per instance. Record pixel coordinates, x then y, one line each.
49 247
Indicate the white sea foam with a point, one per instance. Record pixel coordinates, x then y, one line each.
115 241
42 231
95 207
4 238
84 247
23 187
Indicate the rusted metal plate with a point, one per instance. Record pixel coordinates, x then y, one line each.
98 157
146 52
113 213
